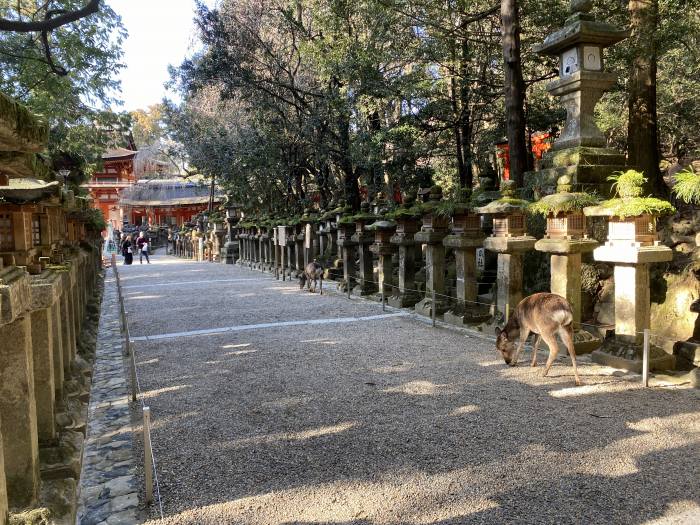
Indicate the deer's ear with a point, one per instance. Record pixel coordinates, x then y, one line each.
498 331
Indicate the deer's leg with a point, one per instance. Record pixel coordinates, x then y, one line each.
551 341
538 339
524 334
321 285
567 335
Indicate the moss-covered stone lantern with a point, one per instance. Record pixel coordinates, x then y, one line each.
509 240
566 240
632 245
407 219
383 232
364 239
465 238
431 234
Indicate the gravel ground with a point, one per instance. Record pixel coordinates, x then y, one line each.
387 421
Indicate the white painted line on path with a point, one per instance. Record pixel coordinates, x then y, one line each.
241 328
177 283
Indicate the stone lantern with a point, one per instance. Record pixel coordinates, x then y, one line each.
407 224
580 150
510 241
230 245
309 221
465 238
432 233
566 240
348 246
383 233
632 245
364 239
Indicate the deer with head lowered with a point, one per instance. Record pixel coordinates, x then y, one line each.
312 272
546 315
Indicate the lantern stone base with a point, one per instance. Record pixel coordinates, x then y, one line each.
425 306
467 316
585 342
619 353
404 299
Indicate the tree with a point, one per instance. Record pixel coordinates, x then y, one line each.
514 89
77 104
642 126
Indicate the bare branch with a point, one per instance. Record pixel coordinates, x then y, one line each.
49 23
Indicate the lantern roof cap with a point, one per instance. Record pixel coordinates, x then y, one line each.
28 190
580 30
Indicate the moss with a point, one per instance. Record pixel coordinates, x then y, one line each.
411 212
627 183
634 206
687 186
590 278
562 203
32 517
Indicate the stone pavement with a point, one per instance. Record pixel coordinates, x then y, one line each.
276 406
109 492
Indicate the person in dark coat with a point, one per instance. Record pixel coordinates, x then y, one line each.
144 247
128 250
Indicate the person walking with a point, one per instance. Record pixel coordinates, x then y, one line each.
143 245
128 250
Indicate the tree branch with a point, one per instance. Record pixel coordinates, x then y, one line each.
49 24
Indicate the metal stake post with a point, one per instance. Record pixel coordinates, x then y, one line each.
383 306
132 372
147 454
432 306
645 359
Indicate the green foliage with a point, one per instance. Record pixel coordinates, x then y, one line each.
627 183
634 206
557 204
687 186
75 105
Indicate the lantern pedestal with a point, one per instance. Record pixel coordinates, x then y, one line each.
509 277
632 306
566 281
384 230
406 295
298 254
434 272
348 247
466 311
365 279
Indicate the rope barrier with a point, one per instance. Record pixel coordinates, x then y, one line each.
150 468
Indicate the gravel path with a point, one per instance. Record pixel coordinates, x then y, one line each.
387 420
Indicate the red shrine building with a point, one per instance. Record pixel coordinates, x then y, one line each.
105 186
126 196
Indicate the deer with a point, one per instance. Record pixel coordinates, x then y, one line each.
312 272
546 315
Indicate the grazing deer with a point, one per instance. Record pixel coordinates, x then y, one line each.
312 272
546 315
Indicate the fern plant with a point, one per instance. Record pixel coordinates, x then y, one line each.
687 186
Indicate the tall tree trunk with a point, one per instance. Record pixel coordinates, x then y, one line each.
642 128
350 175
514 88
465 125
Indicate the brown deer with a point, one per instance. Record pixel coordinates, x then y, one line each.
546 315
312 272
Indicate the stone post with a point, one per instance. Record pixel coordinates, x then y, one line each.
566 240
383 231
432 233
364 239
299 250
348 246
3 486
510 241
631 246
406 295
465 238
20 441
45 291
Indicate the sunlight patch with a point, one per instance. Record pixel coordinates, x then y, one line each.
158 391
420 388
393 369
241 345
466 409
241 352
291 436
